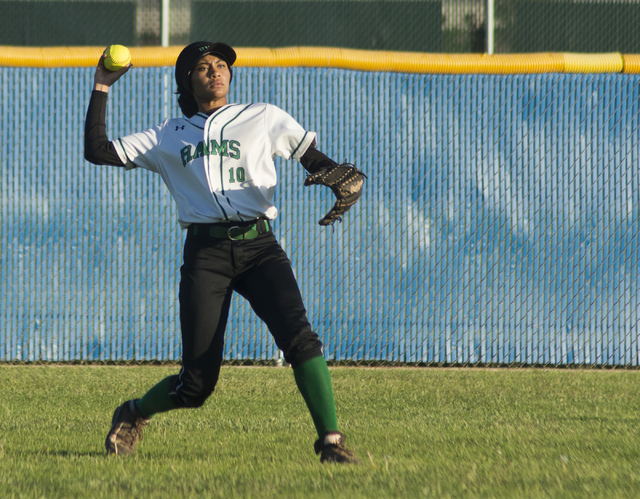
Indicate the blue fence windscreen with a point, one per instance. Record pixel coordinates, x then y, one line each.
500 222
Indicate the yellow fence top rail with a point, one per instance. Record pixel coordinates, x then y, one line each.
361 60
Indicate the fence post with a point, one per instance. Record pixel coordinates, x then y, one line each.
490 23
165 28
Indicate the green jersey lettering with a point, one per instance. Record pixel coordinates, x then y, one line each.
234 151
228 148
218 150
201 150
185 154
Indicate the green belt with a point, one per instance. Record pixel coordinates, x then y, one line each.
233 232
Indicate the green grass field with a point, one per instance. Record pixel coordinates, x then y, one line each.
445 433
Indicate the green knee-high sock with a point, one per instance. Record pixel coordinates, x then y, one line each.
314 383
157 399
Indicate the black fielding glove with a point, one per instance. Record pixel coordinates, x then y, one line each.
346 182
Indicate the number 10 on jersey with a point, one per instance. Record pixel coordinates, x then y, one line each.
236 175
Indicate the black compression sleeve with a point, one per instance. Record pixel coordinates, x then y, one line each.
313 160
97 148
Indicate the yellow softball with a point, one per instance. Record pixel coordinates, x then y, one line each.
118 56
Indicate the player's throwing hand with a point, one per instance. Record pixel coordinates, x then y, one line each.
103 78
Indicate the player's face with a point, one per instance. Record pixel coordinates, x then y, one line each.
210 81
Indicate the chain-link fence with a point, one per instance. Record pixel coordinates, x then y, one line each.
500 222
408 25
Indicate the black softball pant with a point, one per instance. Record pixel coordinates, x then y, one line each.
213 269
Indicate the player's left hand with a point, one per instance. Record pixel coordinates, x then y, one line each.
346 182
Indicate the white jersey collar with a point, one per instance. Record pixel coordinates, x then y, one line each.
199 119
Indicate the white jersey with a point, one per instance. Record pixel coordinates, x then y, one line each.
219 168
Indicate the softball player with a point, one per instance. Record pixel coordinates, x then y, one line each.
217 163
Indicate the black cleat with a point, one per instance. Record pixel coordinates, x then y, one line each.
332 450
126 429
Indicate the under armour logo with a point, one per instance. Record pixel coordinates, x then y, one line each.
179 127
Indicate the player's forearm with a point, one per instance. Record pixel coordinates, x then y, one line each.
97 147
313 160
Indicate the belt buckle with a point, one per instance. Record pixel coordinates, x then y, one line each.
229 233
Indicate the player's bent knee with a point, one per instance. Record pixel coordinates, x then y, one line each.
193 402
190 394
189 401
301 351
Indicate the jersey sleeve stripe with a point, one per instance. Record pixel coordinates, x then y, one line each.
293 154
130 164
